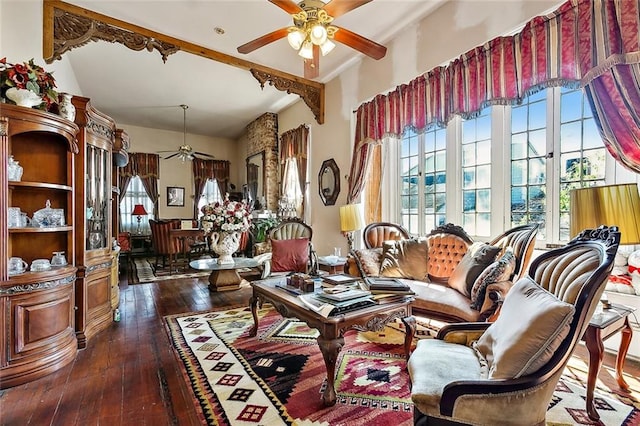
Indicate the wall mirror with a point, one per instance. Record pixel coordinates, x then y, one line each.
255 180
329 182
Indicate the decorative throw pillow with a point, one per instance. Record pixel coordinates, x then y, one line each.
370 260
290 255
500 270
477 258
405 259
531 326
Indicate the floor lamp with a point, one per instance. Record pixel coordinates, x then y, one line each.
138 210
351 219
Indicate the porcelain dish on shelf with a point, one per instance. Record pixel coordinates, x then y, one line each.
39 265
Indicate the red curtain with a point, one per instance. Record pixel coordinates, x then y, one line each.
208 169
588 43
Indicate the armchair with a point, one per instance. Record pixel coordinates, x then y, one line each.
505 372
376 233
164 245
291 249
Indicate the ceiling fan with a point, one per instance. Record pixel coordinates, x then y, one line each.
185 152
312 32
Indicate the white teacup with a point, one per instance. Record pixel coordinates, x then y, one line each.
17 265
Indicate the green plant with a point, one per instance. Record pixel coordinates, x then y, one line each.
261 226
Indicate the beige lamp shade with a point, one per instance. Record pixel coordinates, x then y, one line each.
608 205
351 217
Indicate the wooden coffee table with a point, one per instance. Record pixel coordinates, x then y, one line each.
332 328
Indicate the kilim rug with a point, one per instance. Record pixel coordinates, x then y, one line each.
278 377
141 271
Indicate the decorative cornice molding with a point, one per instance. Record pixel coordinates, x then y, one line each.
313 96
45 285
66 26
103 265
71 31
100 129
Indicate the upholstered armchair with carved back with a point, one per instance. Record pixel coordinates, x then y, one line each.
164 245
506 372
291 249
376 233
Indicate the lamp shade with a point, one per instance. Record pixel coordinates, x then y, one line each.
609 205
138 210
351 217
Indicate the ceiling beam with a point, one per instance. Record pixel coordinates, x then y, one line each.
66 26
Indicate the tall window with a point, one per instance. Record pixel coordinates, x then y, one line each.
476 174
210 194
291 185
582 152
410 173
423 180
528 162
135 194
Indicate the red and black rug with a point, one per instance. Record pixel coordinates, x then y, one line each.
278 377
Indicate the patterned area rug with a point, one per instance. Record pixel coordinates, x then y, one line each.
278 377
141 271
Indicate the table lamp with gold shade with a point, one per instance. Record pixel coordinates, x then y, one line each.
609 205
351 219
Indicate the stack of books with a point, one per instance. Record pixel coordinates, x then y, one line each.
382 285
335 301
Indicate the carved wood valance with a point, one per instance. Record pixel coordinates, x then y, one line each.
66 26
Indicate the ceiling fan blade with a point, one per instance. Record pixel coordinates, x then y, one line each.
204 154
312 66
360 43
337 8
263 41
172 155
287 5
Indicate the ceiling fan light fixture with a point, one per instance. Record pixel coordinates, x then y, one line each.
295 38
318 34
327 47
306 51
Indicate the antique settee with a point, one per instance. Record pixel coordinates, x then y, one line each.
454 278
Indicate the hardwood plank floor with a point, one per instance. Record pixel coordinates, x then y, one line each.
128 374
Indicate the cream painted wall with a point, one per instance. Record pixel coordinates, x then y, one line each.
21 40
453 29
174 172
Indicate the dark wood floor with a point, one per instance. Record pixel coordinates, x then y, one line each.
128 374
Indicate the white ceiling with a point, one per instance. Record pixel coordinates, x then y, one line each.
137 88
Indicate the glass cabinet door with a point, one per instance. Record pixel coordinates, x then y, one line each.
97 200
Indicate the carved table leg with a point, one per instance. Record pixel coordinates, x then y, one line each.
253 302
593 341
410 331
330 349
625 340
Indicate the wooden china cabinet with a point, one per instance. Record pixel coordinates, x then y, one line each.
93 220
36 308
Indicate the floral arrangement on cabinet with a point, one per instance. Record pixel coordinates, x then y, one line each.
31 77
228 216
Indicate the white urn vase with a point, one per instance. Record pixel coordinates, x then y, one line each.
66 109
225 244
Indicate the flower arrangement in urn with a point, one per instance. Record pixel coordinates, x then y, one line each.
228 216
224 222
17 80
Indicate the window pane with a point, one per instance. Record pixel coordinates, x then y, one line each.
135 194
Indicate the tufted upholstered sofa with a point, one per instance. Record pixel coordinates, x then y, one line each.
446 247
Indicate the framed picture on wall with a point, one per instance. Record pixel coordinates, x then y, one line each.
175 196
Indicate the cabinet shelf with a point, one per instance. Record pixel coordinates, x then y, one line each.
39 185
30 277
36 230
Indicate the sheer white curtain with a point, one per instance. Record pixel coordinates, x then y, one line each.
291 185
210 194
135 194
